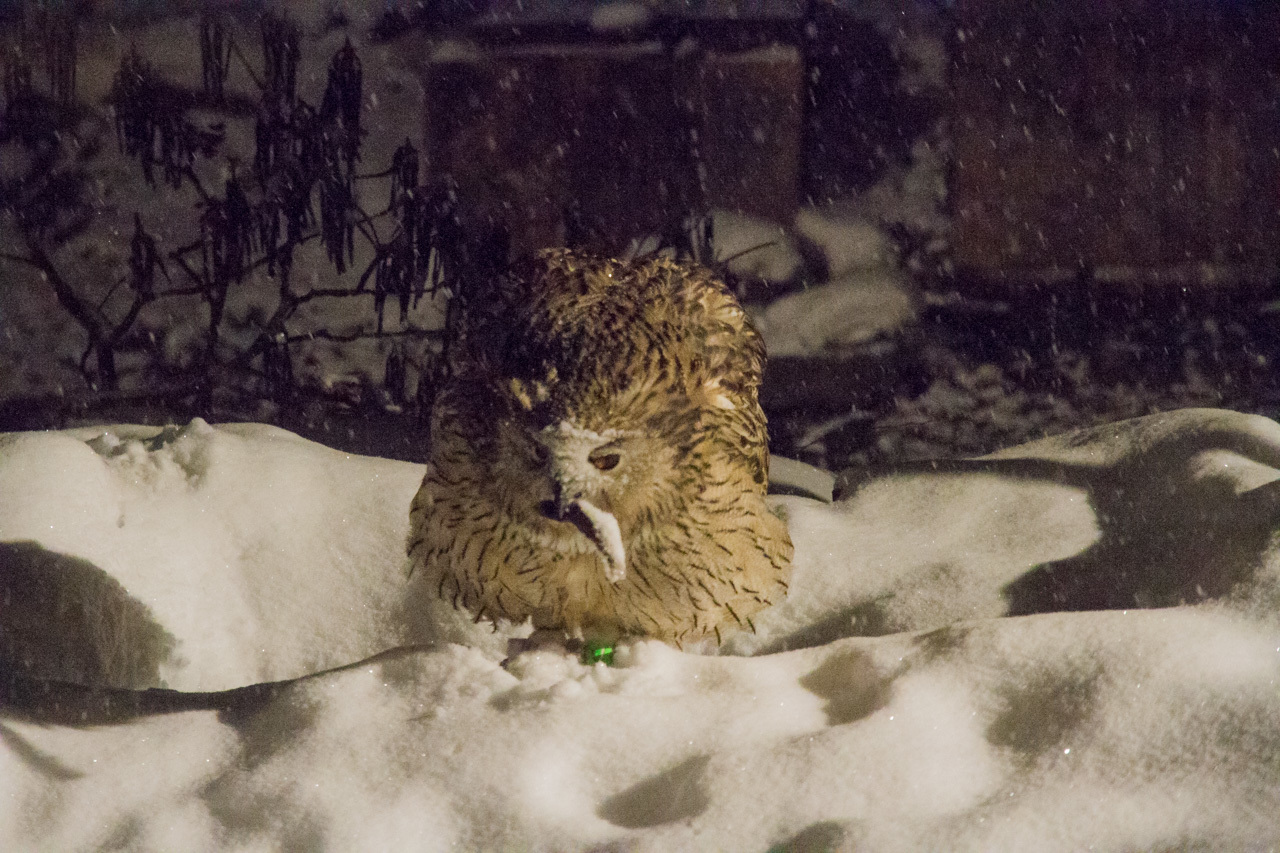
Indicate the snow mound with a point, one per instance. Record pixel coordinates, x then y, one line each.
234 554
207 558
978 720
1171 509
836 316
1111 731
866 294
848 243
756 248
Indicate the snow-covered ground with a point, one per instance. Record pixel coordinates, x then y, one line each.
893 702
209 640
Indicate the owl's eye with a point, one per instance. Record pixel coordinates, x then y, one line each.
539 453
605 461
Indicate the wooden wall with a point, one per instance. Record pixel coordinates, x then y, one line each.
1132 140
528 131
1137 138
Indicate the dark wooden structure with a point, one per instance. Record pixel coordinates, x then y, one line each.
1126 140
1133 141
534 121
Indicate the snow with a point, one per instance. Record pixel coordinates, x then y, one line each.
941 676
892 702
827 319
848 243
620 15
864 293
865 288
244 515
755 248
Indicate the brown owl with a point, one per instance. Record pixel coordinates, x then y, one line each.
598 456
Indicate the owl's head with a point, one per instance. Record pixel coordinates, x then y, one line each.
614 394
592 466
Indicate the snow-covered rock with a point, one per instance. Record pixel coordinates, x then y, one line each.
829 318
848 243
755 248
866 293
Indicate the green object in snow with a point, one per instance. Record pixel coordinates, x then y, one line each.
591 653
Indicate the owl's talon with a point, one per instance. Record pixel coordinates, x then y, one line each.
543 639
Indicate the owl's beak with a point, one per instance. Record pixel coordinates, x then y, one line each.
598 525
568 449
602 529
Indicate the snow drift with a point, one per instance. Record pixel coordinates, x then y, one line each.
915 691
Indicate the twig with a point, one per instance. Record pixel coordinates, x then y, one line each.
87 316
321 292
110 293
379 253
235 48
122 328
189 173
737 255
325 335
371 175
18 259
191 273
180 291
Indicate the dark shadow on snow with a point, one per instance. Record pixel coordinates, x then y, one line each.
673 795
1171 530
850 686
62 617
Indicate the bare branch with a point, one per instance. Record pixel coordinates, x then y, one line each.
84 313
321 292
122 328
325 335
180 291
257 81
19 259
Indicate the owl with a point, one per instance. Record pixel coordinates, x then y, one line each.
598 458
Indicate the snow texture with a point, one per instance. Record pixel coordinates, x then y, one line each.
835 317
913 710
865 293
755 248
620 16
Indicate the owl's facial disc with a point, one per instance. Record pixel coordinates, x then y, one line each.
581 465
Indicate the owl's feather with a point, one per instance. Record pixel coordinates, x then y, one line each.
598 456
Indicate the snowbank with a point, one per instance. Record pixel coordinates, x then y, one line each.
209 557
834 317
756 249
1112 731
